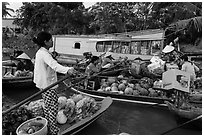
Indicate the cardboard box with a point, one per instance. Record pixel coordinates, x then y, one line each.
176 79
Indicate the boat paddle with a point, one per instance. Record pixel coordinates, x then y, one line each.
181 125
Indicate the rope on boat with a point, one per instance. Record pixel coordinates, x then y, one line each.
181 125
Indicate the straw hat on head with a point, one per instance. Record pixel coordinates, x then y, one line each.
23 56
168 48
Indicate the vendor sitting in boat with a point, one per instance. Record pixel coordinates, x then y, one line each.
93 67
24 63
24 67
87 58
107 61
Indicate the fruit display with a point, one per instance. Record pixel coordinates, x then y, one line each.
75 108
18 73
124 86
24 73
13 119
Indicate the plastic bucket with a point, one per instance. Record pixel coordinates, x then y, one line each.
42 131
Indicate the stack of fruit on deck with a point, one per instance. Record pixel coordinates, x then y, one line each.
125 86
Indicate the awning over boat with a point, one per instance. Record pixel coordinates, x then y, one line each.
112 39
157 36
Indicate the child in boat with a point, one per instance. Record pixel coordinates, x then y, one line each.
45 69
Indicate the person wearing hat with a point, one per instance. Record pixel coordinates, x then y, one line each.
45 69
24 63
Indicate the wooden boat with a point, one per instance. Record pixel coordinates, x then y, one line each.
186 114
15 82
125 98
71 129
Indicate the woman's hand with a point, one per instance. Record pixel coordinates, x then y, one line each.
71 71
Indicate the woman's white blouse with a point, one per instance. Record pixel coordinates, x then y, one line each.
45 69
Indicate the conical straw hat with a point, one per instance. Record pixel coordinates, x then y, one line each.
23 56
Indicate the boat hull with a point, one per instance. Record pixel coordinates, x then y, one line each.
20 82
185 115
75 128
125 98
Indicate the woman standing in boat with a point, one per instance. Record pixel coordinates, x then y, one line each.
45 69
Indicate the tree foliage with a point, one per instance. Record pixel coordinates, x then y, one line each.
62 18
103 17
5 10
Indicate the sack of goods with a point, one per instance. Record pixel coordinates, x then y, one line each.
36 107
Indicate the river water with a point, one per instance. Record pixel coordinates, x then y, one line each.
131 118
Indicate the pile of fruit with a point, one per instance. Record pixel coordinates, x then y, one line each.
13 119
120 85
75 108
18 73
24 73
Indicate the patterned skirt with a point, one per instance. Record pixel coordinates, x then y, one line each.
50 110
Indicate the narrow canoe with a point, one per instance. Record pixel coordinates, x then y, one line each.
125 98
187 114
17 82
74 128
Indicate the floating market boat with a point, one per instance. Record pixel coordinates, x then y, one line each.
188 113
9 81
18 82
122 89
73 128
126 98
75 125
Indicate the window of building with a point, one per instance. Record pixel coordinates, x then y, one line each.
156 46
99 46
77 45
